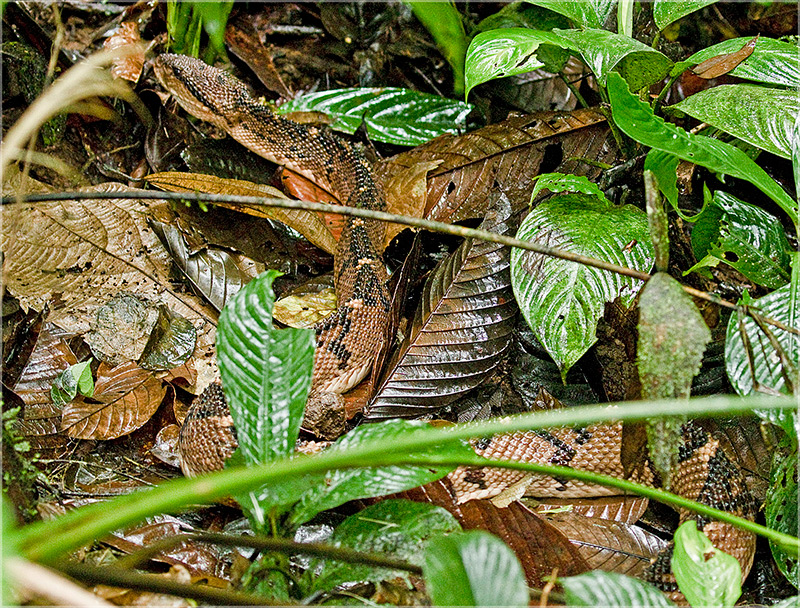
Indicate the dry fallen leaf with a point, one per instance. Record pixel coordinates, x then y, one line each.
130 66
722 64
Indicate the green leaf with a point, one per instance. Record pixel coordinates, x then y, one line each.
668 11
394 527
664 166
706 575
266 372
511 51
521 14
767 365
444 23
73 380
391 115
473 569
789 602
562 300
672 339
636 119
745 237
761 116
588 13
214 16
780 511
772 61
610 589
561 182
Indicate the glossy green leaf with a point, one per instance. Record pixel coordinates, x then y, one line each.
664 167
561 182
266 372
397 528
73 380
473 569
668 11
772 61
587 13
339 487
745 237
780 511
778 305
562 300
505 52
761 116
444 23
522 14
706 575
636 119
391 115
610 589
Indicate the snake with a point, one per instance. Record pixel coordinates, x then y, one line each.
347 342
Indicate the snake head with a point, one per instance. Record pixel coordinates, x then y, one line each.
209 93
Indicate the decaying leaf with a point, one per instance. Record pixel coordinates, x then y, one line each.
462 327
125 397
128 67
624 509
406 193
722 64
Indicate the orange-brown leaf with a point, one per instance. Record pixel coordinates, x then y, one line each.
722 64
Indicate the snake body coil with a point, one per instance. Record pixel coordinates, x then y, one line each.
347 341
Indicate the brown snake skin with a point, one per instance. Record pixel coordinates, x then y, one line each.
347 341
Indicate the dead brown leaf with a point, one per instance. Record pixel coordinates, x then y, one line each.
130 66
722 64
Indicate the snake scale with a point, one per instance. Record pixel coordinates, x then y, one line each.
348 340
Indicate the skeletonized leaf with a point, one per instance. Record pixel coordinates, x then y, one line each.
562 300
462 327
126 397
609 545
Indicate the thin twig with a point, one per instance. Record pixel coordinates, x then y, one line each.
397 219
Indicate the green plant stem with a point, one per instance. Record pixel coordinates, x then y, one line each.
47 541
158 584
790 543
387 217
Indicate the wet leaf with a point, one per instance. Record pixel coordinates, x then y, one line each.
623 509
722 64
406 194
50 357
780 511
559 182
591 13
392 115
771 62
562 300
460 330
392 527
668 11
305 310
122 328
706 575
125 397
76 378
473 569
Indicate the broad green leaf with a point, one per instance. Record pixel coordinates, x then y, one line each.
266 372
772 61
522 14
397 528
664 167
611 589
761 116
672 339
561 182
789 602
444 23
668 11
777 305
636 119
706 575
587 13
73 380
341 486
780 511
745 237
511 51
8 551
562 300
473 569
391 115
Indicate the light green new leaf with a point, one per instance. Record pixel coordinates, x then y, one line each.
444 23
391 115
395 527
743 236
668 11
473 569
266 372
778 305
587 13
599 588
562 300
761 116
636 119
505 52
772 61
706 575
